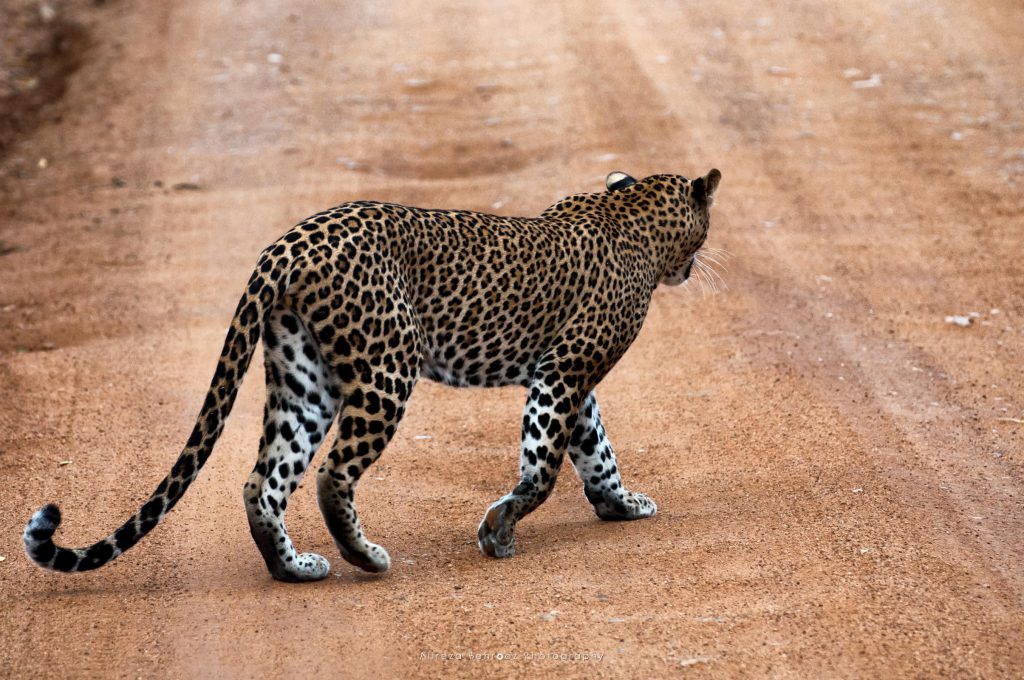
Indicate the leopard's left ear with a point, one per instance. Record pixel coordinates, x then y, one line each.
618 180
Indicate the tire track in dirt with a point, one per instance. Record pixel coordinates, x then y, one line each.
957 488
905 394
799 187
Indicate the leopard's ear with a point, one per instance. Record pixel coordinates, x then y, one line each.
703 188
712 179
618 180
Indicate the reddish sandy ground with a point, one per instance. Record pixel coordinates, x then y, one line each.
838 470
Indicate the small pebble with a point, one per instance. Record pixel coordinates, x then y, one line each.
874 81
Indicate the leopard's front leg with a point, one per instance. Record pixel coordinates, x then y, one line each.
594 459
548 421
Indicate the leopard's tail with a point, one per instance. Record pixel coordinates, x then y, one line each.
260 296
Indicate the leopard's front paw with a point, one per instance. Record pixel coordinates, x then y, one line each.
622 505
495 536
367 556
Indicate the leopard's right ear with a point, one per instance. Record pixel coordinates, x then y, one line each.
703 188
618 180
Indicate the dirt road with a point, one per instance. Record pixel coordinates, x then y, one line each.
838 470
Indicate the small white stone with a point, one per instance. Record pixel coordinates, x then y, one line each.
695 660
874 81
275 58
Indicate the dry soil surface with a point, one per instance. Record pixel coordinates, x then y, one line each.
839 470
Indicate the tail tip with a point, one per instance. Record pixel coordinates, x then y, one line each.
43 523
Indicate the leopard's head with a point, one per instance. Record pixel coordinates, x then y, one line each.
674 214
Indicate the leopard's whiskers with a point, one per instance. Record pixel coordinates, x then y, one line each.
707 261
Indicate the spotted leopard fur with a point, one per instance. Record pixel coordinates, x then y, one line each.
357 302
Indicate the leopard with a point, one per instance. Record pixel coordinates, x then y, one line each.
356 303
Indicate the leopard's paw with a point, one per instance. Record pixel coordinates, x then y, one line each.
367 556
304 567
495 536
622 505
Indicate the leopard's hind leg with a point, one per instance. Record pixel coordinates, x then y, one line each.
374 350
302 399
366 425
